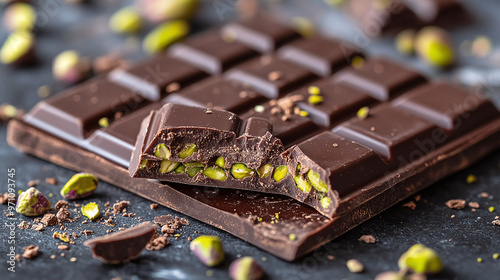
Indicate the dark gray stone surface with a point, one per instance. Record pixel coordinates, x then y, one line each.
460 240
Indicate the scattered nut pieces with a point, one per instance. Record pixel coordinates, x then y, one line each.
368 239
433 45
91 210
456 204
491 209
355 266
496 256
30 251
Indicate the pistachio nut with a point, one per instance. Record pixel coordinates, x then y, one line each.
167 166
280 173
165 35
208 249
421 259
265 170
125 20
215 173
188 150
18 48
315 180
162 151
69 67
245 268
19 16
32 202
79 186
240 171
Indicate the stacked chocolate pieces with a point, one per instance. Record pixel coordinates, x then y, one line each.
299 96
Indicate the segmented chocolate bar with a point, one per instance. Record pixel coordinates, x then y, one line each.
349 164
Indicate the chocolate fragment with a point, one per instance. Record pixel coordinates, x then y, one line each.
30 251
121 246
456 204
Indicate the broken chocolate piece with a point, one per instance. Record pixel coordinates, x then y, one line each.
122 246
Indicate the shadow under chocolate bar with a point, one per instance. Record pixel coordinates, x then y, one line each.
415 133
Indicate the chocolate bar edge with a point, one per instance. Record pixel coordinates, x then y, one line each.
443 162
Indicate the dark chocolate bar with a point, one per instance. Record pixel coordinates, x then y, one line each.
376 17
411 134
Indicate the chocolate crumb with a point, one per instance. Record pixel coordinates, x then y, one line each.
33 183
63 215
484 195
410 205
330 257
30 251
184 221
109 222
455 204
62 247
153 206
496 222
417 198
38 227
60 204
190 238
120 206
4 198
49 219
157 243
106 204
53 256
23 225
167 230
173 87
87 232
473 204
275 75
367 239
51 180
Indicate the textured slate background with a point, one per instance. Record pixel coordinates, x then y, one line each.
460 240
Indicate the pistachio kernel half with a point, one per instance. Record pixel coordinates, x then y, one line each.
325 202
215 173
167 166
180 169
220 162
162 151
188 150
302 184
315 180
240 171
79 186
144 164
280 173
265 170
91 210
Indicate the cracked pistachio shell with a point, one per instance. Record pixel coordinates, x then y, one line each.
32 203
208 249
79 186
